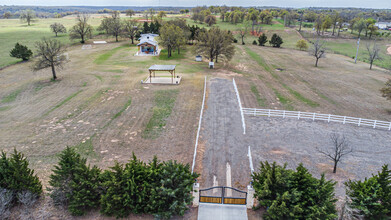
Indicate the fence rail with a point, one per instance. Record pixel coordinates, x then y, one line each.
317 116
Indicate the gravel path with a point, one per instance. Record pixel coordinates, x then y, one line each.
222 135
288 141
294 141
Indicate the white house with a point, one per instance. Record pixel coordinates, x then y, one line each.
383 25
148 46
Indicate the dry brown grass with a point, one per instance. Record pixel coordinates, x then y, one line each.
81 109
337 86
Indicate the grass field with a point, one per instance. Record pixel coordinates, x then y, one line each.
337 86
348 47
13 31
99 107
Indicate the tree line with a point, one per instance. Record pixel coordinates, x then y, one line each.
162 189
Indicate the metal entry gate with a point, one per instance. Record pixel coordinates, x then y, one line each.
223 195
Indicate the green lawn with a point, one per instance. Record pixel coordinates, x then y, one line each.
164 102
13 31
348 47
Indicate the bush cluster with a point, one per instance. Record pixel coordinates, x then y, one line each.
22 52
262 40
371 197
162 189
276 41
293 194
18 184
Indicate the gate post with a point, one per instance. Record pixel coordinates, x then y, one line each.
196 194
250 197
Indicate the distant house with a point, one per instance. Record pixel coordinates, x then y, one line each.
383 25
148 46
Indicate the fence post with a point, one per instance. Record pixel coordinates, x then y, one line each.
250 197
359 121
313 117
344 119
196 194
328 120
374 124
389 128
269 113
255 112
283 114
298 116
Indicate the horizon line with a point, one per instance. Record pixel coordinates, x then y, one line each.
271 6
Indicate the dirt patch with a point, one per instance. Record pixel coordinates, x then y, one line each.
221 73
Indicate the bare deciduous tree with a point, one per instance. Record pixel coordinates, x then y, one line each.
373 53
50 53
7 15
58 28
6 198
386 91
114 25
130 29
130 12
28 16
146 15
215 43
318 50
27 199
243 32
82 30
339 149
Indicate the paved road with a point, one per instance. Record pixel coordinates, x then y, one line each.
225 161
221 212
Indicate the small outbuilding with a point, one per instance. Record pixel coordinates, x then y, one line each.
198 58
161 78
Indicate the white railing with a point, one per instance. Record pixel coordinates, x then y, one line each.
317 116
199 128
240 105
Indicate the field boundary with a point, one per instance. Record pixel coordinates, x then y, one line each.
240 105
318 116
199 128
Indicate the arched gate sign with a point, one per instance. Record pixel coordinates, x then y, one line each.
223 195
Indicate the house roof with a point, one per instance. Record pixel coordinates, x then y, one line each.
148 38
162 67
154 43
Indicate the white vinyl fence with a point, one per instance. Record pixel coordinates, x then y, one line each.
317 116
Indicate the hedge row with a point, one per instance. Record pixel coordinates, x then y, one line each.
162 189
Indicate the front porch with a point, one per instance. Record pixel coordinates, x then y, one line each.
153 53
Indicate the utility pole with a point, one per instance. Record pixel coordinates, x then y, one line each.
358 46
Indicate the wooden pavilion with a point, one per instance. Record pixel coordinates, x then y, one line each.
163 79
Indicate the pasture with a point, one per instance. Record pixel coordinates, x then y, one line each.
99 106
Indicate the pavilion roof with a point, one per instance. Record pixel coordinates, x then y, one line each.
162 67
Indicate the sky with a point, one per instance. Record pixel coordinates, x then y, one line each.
281 3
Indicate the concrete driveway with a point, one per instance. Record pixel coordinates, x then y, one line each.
221 212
